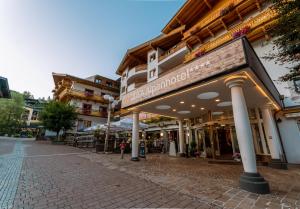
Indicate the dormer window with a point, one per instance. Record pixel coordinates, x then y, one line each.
152 57
297 84
98 81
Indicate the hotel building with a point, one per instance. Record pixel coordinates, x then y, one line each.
206 71
87 97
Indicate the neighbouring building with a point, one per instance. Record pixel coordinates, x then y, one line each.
206 71
4 88
32 109
87 96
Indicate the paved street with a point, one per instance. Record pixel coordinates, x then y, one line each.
40 175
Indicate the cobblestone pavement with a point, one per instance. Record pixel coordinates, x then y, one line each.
40 175
214 184
10 167
56 176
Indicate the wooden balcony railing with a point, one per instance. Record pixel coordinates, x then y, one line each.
70 93
172 51
91 112
263 19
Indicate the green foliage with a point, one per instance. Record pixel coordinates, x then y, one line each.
287 36
27 95
10 113
57 116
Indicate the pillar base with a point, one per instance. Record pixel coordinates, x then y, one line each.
181 154
278 164
254 182
135 159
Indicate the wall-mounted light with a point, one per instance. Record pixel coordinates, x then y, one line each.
161 134
182 102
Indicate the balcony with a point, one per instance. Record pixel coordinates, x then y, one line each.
91 112
258 24
68 94
137 75
173 57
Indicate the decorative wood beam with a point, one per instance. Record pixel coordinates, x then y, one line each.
258 4
237 12
152 46
179 21
210 32
188 46
223 23
136 58
198 39
208 4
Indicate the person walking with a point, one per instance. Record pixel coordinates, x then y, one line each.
122 148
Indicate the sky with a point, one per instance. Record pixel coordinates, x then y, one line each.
77 37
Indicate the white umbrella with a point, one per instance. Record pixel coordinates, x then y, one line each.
128 123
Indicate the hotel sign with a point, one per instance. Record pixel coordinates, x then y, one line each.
225 58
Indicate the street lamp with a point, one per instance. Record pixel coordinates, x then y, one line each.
111 105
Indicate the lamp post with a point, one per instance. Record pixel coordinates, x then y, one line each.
111 105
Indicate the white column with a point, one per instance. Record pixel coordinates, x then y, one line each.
181 137
261 132
242 123
135 136
271 132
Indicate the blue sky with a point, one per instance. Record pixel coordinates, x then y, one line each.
78 37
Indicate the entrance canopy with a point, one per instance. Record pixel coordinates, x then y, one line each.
199 86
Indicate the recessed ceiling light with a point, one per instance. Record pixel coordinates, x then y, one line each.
183 112
208 95
202 108
217 100
224 104
163 107
182 102
217 113
174 110
193 105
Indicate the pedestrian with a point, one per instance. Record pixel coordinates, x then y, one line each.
122 148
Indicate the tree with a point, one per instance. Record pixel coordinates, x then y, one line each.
57 116
287 36
27 95
11 111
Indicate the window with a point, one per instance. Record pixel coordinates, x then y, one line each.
108 83
86 108
152 57
297 84
152 73
123 89
98 80
89 92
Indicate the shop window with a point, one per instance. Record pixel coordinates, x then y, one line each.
98 81
297 84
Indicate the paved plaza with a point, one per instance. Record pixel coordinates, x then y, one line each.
40 175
